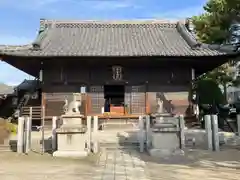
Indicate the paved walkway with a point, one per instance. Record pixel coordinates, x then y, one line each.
120 165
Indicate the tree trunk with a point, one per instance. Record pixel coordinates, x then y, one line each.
225 92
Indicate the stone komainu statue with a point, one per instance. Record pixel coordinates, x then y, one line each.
74 106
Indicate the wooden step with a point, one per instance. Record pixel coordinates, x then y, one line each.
36 112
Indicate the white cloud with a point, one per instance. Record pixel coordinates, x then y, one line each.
49 5
29 4
112 5
180 14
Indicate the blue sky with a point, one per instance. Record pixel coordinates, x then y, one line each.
19 20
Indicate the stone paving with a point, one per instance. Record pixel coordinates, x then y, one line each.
120 165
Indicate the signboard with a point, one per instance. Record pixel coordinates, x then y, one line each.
117 73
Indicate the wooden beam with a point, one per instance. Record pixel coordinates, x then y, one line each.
148 110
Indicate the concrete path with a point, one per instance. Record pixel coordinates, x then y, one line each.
120 165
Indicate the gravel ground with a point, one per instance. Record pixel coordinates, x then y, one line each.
40 167
196 165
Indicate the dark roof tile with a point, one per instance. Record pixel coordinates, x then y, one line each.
114 39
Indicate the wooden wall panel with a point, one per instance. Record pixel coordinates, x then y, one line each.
174 97
143 83
97 99
138 99
55 102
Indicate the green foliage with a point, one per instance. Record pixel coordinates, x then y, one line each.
213 27
209 92
11 127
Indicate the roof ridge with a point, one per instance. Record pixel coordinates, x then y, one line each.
15 47
134 21
195 44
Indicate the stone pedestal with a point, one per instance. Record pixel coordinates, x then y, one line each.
165 137
165 144
71 137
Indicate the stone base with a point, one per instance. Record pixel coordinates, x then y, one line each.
165 152
95 147
70 154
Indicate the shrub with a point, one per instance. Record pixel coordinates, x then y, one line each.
208 92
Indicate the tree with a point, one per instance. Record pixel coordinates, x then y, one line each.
218 25
213 25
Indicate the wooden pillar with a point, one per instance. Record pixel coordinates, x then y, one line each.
148 110
89 104
43 103
192 73
86 104
147 100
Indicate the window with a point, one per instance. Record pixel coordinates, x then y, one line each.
83 89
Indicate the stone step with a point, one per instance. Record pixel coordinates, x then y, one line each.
5 148
119 145
117 126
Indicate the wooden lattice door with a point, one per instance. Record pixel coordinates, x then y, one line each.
54 103
97 99
138 99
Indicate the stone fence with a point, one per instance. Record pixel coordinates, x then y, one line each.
166 135
70 138
161 135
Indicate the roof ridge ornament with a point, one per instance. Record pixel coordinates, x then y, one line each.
36 45
188 36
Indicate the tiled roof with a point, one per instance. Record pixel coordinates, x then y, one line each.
92 38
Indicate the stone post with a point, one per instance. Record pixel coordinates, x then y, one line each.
141 133
54 133
89 133
208 128
95 135
148 132
182 129
28 127
238 124
215 136
42 128
95 124
20 135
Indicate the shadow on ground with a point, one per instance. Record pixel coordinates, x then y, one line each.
228 157
35 147
195 164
